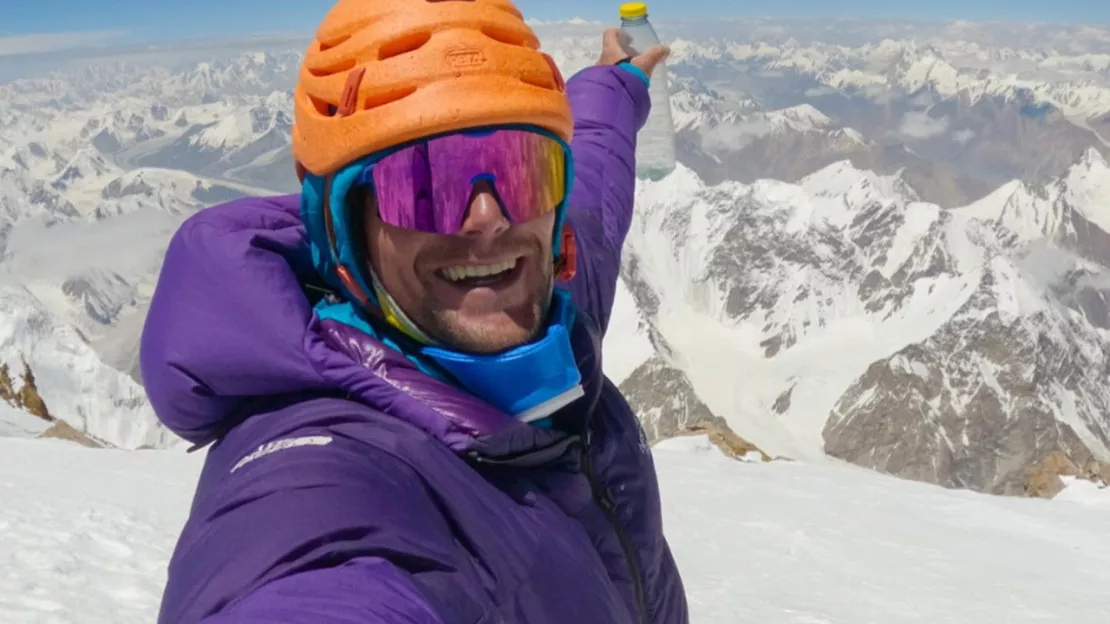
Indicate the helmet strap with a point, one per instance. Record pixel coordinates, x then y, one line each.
566 266
348 102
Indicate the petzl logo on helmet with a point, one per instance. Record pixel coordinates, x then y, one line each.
463 58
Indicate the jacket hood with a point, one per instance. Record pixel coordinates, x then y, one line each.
229 318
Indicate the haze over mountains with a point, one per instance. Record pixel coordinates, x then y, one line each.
887 243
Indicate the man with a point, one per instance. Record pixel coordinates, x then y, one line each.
408 416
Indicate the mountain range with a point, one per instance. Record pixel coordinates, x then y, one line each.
887 251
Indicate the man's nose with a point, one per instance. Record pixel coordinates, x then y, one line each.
484 218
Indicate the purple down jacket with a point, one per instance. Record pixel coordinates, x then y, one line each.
345 486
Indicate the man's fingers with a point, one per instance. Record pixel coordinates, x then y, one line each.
656 54
651 57
612 48
623 38
615 46
612 37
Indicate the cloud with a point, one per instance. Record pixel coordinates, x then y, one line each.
40 43
963 136
575 21
923 99
819 91
919 125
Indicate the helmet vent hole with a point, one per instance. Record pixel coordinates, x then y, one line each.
331 69
331 43
403 45
321 107
387 97
505 35
543 83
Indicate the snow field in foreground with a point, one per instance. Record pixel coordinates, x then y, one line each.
794 543
85 536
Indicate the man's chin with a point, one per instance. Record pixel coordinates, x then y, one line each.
487 334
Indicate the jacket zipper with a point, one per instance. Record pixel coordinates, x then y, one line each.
605 501
513 461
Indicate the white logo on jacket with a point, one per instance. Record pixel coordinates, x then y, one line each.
281 445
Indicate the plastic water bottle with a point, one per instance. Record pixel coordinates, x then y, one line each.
655 144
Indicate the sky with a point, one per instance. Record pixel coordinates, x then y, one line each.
48 25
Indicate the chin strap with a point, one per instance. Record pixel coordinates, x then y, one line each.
395 316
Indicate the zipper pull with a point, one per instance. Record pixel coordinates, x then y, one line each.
606 499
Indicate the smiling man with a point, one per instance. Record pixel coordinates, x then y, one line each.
484 290
399 369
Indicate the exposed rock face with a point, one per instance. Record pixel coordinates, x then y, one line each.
950 422
732 445
1045 480
668 406
61 430
665 401
27 396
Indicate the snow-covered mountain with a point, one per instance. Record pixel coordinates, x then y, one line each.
950 68
1046 211
964 110
696 106
250 144
844 316
791 310
95 175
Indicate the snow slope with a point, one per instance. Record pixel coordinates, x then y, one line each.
795 543
16 423
87 536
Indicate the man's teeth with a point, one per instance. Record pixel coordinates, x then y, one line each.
457 274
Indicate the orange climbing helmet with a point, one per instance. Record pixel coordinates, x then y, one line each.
384 72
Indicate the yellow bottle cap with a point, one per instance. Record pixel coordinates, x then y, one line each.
632 10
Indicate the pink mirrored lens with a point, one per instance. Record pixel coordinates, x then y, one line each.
428 186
